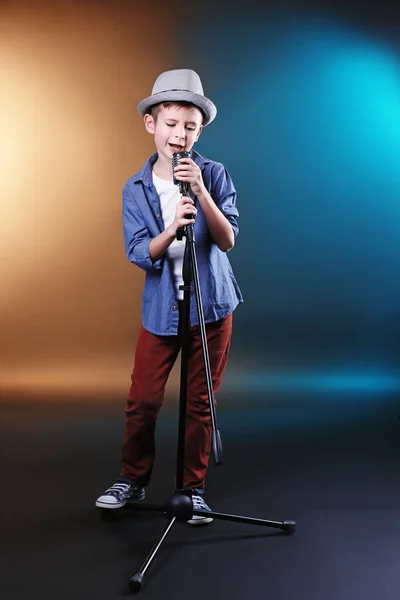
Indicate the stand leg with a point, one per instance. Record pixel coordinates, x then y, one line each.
288 526
136 582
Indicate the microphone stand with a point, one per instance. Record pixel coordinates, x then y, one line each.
179 507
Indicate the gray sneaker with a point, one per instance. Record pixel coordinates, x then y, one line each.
118 494
199 504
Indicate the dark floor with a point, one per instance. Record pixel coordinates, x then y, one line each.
331 464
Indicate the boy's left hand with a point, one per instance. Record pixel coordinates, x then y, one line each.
189 172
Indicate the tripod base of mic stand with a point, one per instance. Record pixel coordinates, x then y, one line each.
179 508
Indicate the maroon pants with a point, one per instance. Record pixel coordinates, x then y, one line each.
154 359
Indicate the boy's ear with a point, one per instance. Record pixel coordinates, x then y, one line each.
199 132
149 123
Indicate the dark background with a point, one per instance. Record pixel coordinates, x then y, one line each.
308 125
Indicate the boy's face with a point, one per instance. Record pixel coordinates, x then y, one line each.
175 128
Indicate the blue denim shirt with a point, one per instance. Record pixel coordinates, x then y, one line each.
142 221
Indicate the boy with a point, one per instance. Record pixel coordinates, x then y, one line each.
153 210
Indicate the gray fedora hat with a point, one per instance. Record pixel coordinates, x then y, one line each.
177 86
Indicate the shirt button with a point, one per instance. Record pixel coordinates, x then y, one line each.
158 215
174 307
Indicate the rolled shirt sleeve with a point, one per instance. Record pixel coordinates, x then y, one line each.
224 195
137 236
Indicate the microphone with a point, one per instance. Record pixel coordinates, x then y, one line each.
184 186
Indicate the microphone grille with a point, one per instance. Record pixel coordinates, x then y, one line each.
175 162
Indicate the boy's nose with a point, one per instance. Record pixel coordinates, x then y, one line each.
180 133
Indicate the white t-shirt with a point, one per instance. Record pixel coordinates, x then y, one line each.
169 198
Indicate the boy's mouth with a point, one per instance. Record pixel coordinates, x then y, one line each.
176 147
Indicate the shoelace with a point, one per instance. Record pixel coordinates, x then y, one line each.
199 504
117 489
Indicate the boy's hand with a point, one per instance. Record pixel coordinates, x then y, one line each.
189 172
184 207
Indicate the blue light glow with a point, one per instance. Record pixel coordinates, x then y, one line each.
309 127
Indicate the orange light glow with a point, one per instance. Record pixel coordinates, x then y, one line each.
70 136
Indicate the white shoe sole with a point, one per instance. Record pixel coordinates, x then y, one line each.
116 505
110 506
200 521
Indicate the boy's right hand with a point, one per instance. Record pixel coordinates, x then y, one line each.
184 208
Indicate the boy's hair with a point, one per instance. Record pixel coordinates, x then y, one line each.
155 109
